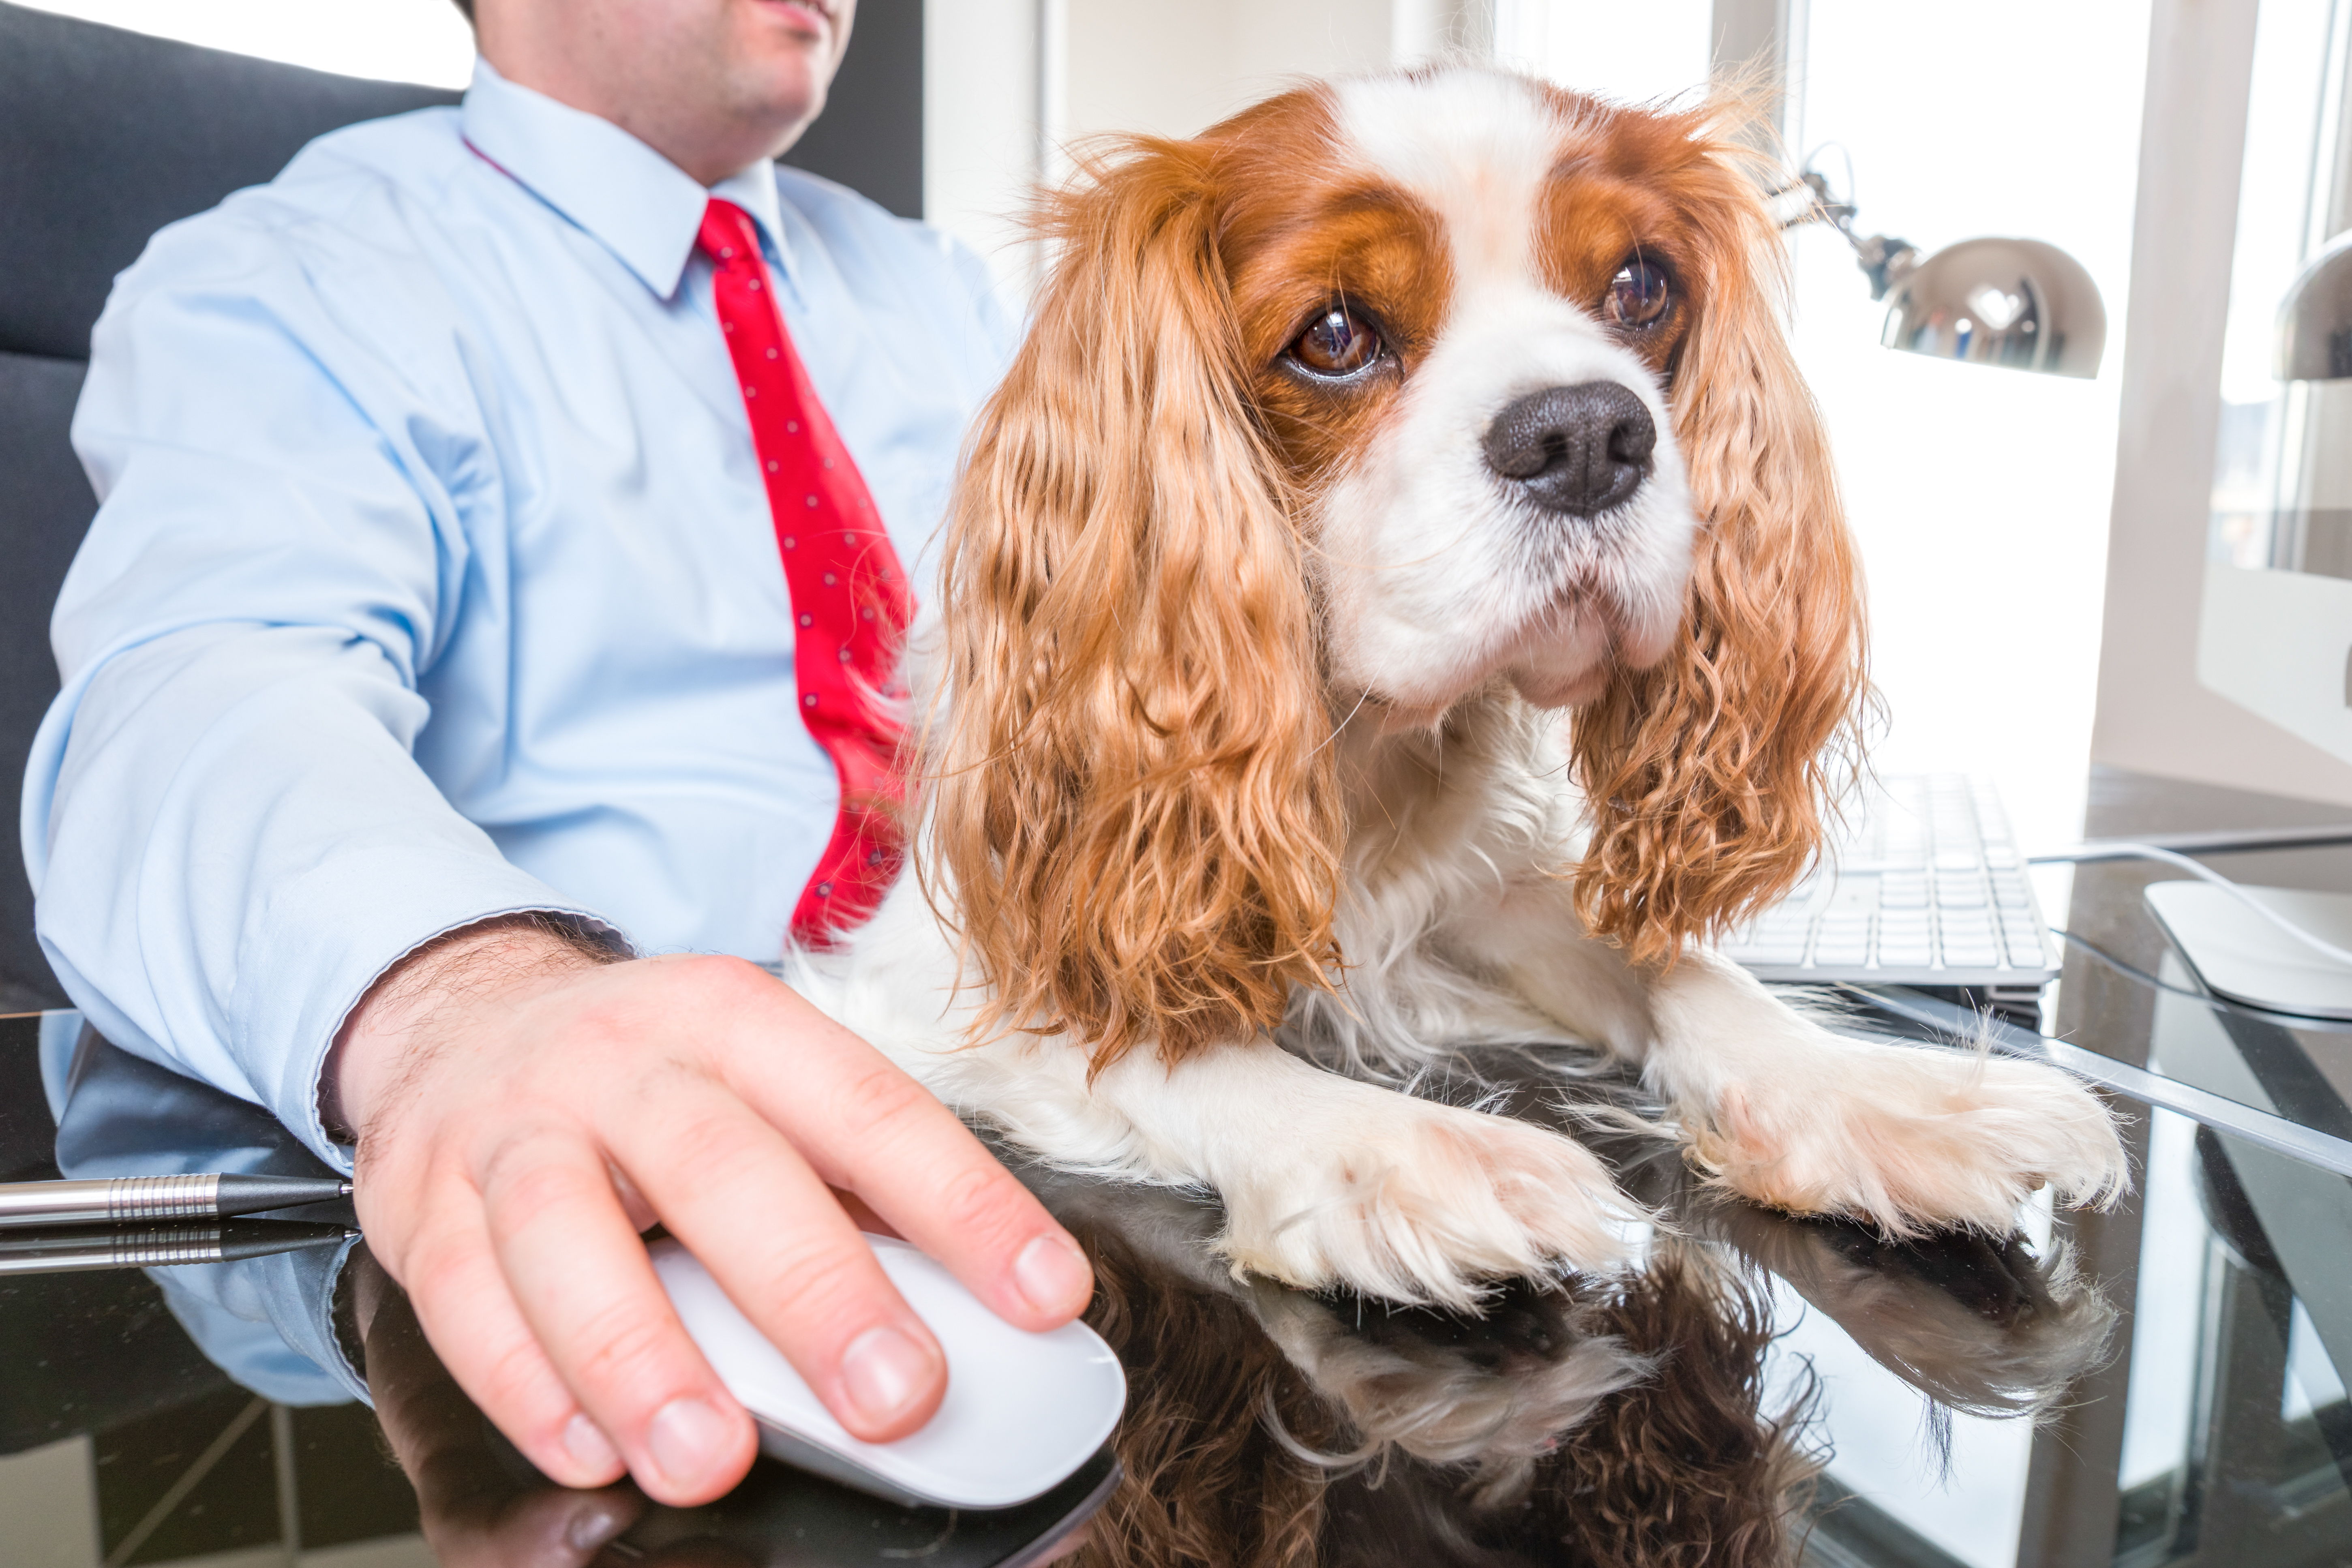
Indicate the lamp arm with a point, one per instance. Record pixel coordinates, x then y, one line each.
1884 259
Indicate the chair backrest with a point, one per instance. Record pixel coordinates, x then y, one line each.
110 136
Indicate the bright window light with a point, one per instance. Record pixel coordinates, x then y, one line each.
394 40
1632 53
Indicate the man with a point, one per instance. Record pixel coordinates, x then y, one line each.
433 642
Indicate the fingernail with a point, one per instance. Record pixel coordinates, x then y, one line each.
688 1438
596 1522
883 1371
1053 1276
589 1448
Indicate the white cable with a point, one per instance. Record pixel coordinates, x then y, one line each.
2123 850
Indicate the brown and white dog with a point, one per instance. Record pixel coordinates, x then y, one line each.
1398 600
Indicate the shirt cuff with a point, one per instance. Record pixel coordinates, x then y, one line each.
320 946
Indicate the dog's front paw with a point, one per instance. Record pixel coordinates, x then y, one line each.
1911 1138
1413 1201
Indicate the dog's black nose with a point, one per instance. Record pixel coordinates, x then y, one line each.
1576 449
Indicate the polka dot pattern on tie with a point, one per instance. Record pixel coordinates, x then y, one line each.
850 600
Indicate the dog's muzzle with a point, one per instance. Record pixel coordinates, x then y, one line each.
1576 450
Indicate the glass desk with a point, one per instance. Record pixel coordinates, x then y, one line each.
2155 1384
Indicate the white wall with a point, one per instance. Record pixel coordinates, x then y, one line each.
1174 69
980 130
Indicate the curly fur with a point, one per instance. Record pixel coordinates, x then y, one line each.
1143 847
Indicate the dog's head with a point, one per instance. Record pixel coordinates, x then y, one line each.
1366 402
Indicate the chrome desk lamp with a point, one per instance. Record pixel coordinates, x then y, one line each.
2014 302
2311 456
2315 319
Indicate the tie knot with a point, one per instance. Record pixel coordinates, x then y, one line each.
728 235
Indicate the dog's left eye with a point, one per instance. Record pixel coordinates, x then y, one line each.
1638 295
1338 343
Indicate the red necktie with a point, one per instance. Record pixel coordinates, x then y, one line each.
851 604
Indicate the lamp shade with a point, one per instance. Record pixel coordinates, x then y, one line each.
2015 302
2315 319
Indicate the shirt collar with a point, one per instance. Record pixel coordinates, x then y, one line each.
639 204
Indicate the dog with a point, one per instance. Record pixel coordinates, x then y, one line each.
1398 600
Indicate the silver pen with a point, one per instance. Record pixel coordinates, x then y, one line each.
160 1247
142 1200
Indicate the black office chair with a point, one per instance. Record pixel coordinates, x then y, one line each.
105 137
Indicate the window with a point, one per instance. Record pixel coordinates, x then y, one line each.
396 40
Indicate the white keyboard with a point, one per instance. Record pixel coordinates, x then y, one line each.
1930 891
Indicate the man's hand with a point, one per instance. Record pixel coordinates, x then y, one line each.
525 1108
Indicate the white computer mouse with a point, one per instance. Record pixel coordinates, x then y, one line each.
1023 1410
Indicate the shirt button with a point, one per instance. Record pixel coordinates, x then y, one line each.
868 613
824 889
830 579
772 465
810 701
808 620
812 500
792 427
771 353
791 543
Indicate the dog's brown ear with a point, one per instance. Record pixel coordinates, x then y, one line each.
1709 774
1128 787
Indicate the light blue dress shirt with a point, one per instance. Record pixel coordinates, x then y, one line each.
434 578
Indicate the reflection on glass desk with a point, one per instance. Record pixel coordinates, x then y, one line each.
2156 1384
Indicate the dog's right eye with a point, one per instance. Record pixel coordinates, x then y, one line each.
1337 344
